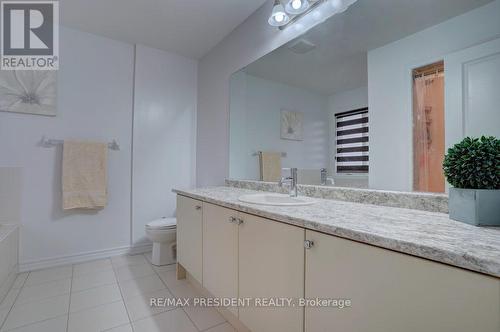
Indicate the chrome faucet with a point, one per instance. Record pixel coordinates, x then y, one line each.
325 179
293 182
324 176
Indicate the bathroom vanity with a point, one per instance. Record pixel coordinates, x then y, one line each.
391 263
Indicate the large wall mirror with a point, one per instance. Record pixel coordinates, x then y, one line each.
360 100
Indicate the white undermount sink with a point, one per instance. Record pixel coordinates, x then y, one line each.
276 200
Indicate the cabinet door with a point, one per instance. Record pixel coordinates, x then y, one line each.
393 292
271 265
189 235
220 252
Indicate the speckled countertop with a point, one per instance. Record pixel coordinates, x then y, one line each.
429 235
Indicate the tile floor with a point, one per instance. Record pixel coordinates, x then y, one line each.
109 295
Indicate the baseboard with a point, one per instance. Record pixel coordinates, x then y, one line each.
83 257
140 249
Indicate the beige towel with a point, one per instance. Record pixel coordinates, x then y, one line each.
270 166
84 175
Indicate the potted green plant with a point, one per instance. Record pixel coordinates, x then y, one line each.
472 167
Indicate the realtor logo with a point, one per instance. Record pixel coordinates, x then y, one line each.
29 35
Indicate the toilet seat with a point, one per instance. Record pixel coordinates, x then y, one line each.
162 224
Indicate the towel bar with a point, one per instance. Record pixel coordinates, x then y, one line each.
283 154
54 142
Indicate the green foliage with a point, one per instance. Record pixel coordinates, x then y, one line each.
474 163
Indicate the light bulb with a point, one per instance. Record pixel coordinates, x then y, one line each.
296 7
280 17
296 4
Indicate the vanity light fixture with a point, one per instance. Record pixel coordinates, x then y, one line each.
278 17
296 7
293 10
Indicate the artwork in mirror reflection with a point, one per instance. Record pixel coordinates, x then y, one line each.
291 125
308 103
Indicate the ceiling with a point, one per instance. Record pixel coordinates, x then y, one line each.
339 61
187 27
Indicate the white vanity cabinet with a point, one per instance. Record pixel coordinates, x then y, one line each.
220 252
271 265
393 292
246 256
190 236
250 257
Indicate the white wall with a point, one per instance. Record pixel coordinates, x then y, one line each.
164 134
348 100
10 195
256 127
390 97
95 82
240 163
343 102
251 40
95 102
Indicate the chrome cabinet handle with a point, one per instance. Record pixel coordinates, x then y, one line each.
198 207
308 244
234 220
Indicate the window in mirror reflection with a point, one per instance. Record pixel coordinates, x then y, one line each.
352 142
428 128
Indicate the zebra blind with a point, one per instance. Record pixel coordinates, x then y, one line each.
352 148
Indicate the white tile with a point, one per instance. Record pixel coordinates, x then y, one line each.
123 328
169 277
93 280
42 276
33 312
51 325
170 321
226 327
119 261
10 298
185 290
3 315
92 267
94 297
139 307
43 291
3 288
202 317
130 272
131 288
99 318
20 279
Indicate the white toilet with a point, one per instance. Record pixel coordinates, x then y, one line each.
162 233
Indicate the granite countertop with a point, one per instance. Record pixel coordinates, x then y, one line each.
429 235
431 202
